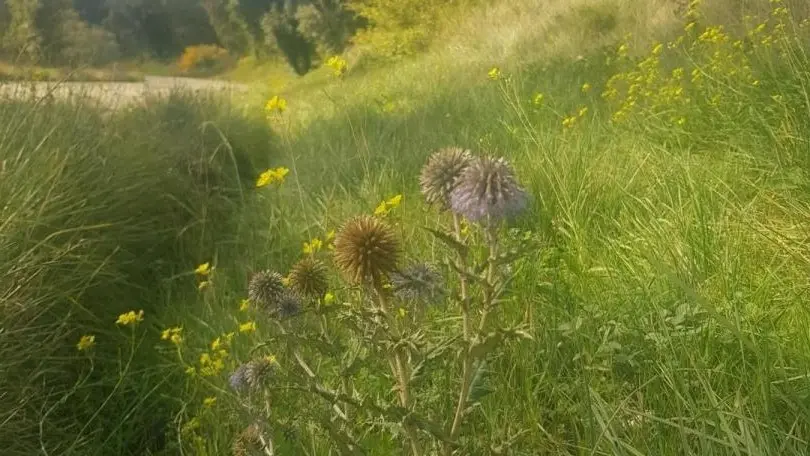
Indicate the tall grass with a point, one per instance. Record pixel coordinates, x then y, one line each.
98 211
668 305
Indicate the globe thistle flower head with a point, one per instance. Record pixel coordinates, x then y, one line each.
418 282
366 250
288 305
257 371
440 174
248 442
265 288
488 191
309 278
238 379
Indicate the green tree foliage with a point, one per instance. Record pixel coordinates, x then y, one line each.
327 23
68 40
280 27
400 27
21 37
231 29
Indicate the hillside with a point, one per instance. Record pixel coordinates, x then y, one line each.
551 228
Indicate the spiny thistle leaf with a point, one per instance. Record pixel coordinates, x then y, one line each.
448 239
478 386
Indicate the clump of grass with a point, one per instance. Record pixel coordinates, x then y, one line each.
99 210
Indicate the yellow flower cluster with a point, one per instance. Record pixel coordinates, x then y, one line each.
316 244
172 334
271 176
86 342
203 271
385 206
338 65
130 318
275 104
718 60
212 362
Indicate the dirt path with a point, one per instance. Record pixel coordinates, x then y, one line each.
118 93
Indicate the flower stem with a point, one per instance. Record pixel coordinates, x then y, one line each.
467 366
401 371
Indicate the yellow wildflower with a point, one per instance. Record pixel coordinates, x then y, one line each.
247 327
204 269
328 299
313 246
402 312
338 65
586 87
216 343
209 401
275 103
130 318
537 99
86 342
582 111
173 335
270 176
244 305
386 206
569 122
494 73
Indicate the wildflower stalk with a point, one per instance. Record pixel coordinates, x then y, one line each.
401 371
468 371
465 301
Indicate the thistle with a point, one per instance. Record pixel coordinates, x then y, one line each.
288 305
238 379
440 174
248 442
251 374
366 250
265 288
308 277
418 282
257 371
487 190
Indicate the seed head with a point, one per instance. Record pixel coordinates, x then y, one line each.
257 371
288 305
308 277
418 282
487 190
441 172
265 288
248 442
366 250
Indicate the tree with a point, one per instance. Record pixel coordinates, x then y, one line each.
21 38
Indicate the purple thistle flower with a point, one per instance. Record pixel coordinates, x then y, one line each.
487 190
239 378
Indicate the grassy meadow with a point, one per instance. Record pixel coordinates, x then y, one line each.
661 294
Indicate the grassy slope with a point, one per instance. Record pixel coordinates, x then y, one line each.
668 308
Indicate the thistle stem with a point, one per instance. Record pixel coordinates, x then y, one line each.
465 300
401 372
467 368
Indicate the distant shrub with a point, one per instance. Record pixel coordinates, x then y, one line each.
328 24
86 44
400 27
204 59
